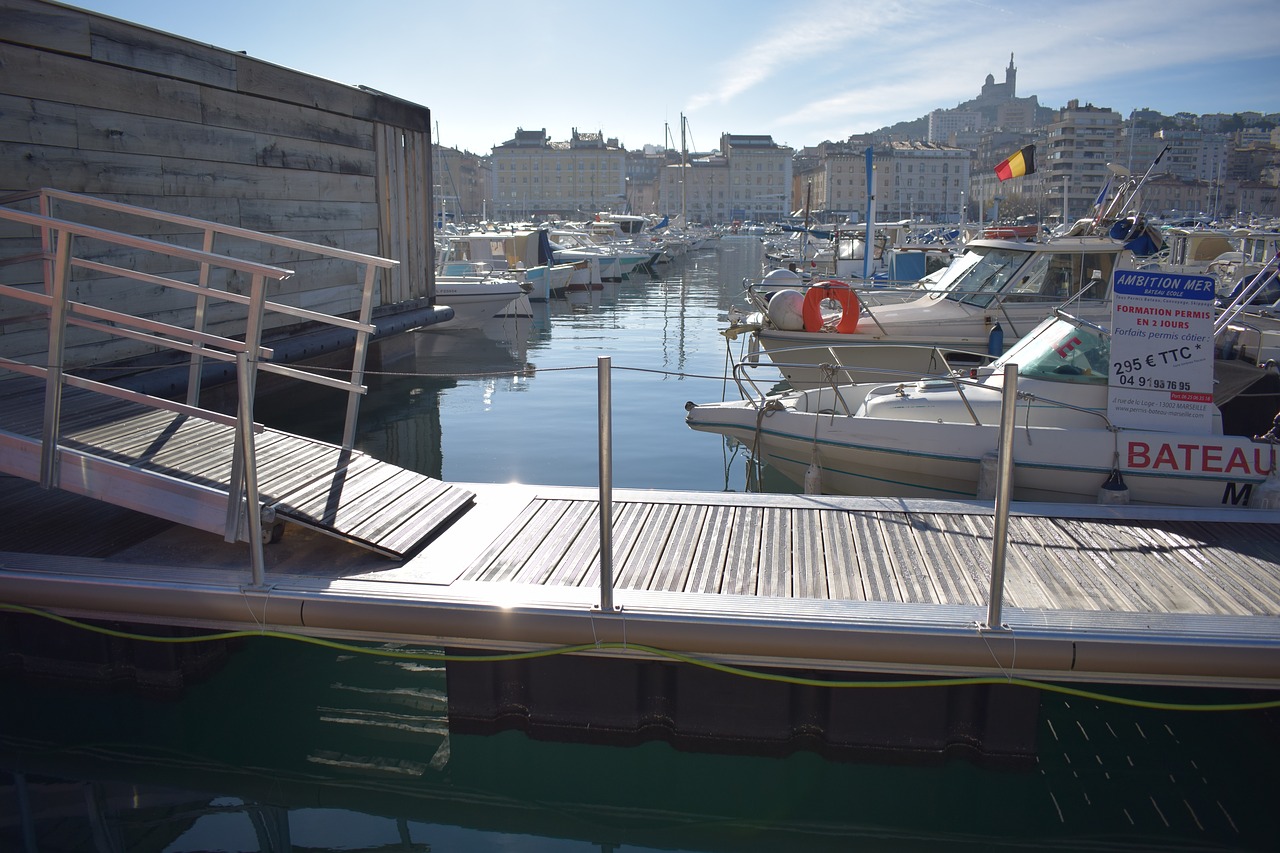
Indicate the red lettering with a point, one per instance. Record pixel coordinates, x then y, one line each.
1187 450
1139 454
1237 460
1261 465
1164 456
1211 458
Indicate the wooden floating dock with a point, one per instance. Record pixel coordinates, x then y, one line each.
826 587
1127 594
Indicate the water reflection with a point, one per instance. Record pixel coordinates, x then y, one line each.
296 747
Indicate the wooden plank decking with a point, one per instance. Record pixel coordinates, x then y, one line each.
387 509
1147 595
908 556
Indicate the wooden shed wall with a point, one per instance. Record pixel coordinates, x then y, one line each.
99 106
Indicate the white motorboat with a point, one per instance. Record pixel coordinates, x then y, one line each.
519 254
478 298
934 437
975 308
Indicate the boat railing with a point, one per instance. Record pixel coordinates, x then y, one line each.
836 373
219 284
1244 299
960 380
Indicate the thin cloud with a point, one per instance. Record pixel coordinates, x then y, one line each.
808 32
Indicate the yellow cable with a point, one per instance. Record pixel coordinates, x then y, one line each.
657 652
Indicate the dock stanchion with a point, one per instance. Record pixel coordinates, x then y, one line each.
1004 488
605 404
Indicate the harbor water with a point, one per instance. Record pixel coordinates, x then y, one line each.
293 745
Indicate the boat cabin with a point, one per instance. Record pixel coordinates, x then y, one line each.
1004 271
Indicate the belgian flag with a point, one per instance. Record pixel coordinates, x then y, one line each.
1019 164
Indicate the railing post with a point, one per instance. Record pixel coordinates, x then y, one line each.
1004 489
51 434
358 358
198 324
606 482
246 365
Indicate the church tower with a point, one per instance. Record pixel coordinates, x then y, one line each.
1011 79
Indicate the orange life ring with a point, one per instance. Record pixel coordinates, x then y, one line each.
840 292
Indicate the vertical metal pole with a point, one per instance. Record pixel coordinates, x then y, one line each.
1004 488
603 367
358 358
199 324
52 431
246 366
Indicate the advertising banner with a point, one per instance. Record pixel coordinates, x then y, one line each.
1162 352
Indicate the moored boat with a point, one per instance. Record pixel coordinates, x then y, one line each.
979 305
936 437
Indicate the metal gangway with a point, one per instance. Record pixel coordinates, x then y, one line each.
174 459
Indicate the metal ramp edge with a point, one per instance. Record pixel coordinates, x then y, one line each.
346 494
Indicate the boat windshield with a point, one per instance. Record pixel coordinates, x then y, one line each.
1061 351
984 275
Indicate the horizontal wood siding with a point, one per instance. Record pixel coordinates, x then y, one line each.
103 107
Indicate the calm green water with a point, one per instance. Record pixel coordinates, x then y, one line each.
293 747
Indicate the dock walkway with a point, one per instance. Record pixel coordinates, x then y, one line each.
1103 594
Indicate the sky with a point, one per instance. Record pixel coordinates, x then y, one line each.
801 71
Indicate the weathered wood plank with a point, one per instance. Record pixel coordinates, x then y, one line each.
940 561
878 574
1254 582
742 563
235 111
30 122
499 556
707 566
325 494
398 523
672 567
1095 561
1047 552
45 26
119 43
808 556
42 75
843 569
904 551
972 538
101 130
552 541
581 560
634 546
776 546
1196 592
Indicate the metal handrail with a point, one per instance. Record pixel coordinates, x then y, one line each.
366 280
59 238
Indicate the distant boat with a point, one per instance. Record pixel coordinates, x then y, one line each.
477 297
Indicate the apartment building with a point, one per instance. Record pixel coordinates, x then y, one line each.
1073 159
532 177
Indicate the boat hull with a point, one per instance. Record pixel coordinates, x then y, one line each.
902 458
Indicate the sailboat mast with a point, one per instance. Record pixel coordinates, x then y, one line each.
684 166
